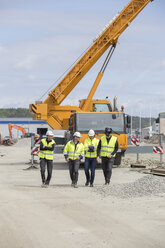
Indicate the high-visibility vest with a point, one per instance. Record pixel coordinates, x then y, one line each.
47 154
107 148
72 152
91 142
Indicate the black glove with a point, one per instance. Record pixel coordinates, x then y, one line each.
91 148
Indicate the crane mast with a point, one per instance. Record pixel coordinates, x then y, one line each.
50 110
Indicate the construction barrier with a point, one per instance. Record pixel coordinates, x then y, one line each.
158 149
35 146
135 141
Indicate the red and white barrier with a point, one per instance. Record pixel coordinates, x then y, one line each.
135 141
158 149
37 140
35 148
35 145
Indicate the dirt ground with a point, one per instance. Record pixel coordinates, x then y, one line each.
61 216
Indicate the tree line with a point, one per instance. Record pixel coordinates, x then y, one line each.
24 113
14 113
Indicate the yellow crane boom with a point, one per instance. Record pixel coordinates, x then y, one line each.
107 38
50 110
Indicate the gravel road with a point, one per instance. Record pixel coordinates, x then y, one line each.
128 213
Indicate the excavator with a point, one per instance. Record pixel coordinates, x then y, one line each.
8 140
16 127
91 114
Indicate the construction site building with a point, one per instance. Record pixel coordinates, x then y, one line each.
31 126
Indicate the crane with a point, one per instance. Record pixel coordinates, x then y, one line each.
95 114
50 110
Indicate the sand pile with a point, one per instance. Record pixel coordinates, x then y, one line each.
155 139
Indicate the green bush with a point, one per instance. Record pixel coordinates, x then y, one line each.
14 113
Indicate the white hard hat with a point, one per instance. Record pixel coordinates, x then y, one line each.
77 134
49 133
91 132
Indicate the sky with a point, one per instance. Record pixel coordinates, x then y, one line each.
40 40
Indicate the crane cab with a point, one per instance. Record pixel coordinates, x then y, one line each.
97 106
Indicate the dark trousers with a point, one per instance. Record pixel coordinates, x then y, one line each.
107 164
73 170
43 163
90 163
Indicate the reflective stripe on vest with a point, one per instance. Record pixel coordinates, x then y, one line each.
71 152
107 148
91 142
47 154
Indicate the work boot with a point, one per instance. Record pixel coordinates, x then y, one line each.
43 185
87 183
46 185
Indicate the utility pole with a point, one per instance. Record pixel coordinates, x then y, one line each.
150 132
131 123
140 126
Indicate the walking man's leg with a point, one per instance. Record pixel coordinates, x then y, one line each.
109 169
104 167
93 167
42 169
71 167
86 169
49 170
75 171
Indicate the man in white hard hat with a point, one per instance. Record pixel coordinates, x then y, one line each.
46 157
90 151
73 153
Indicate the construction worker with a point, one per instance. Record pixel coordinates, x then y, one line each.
90 152
46 157
107 149
73 153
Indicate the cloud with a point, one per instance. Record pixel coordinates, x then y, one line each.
11 101
144 106
1 86
27 63
31 77
39 44
163 63
3 50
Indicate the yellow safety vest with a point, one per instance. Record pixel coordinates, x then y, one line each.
47 154
91 142
107 148
72 152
